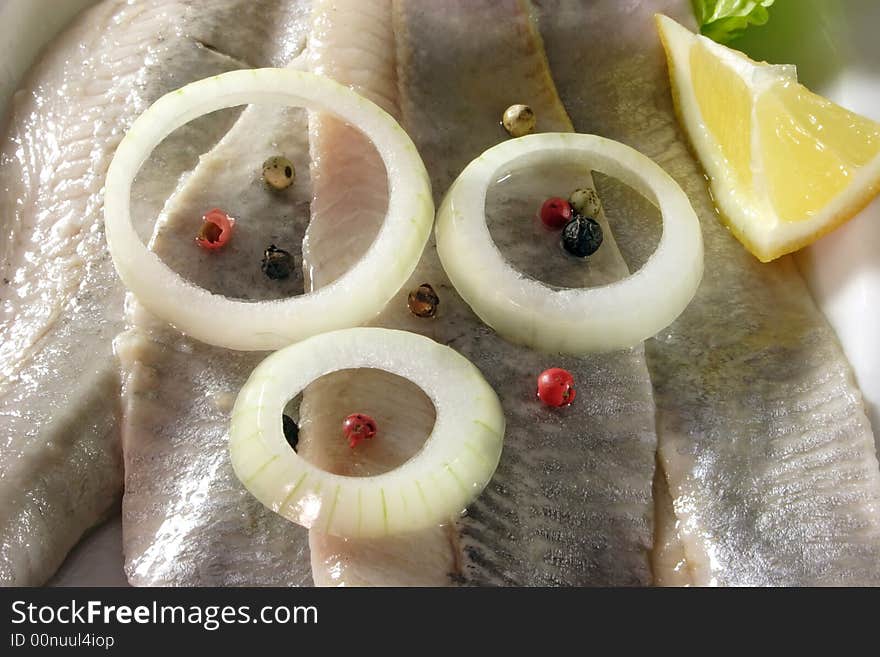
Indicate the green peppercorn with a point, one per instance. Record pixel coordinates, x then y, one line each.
585 201
519 120
278 172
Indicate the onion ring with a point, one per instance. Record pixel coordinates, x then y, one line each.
575 321
353 299
456 462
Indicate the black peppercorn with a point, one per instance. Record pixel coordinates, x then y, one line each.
276 263
291 431
581 236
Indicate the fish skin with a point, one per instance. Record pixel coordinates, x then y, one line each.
571 500
60 459
763 436
187 519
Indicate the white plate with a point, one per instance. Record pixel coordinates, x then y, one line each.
837 51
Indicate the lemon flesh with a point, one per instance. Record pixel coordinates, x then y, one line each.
785 165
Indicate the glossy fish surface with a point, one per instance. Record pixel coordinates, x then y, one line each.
187 520
571 500
60 301
763 438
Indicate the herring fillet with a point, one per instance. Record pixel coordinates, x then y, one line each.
187 520
60 301
571 500
762 433
352 42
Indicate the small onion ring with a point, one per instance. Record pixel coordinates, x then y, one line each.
456 462
353 299
575 321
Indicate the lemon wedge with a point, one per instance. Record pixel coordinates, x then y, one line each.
785 165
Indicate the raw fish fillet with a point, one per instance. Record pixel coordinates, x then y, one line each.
571 501
763 438
60 300
187 519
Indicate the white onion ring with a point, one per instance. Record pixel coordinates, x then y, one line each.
526 311
452 468
353 299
